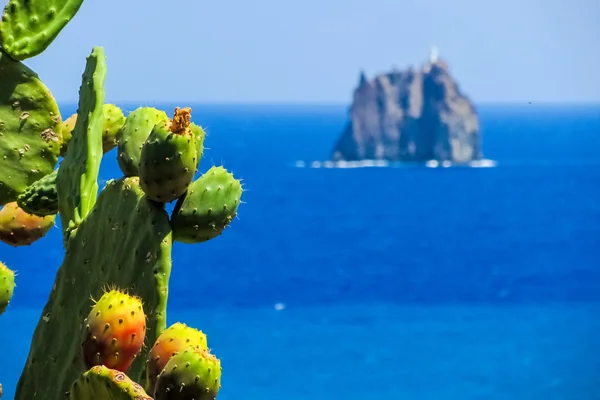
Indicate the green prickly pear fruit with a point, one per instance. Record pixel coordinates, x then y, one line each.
200 135
169 158
19 228
133 134
7 286
113 120
30 125
207 208
115 330
102 383
29 26
40 198
191 374
171 341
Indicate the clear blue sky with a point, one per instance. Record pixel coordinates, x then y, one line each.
312 50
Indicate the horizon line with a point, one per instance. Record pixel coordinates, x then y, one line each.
330 103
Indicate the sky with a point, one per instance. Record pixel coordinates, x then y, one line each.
311 51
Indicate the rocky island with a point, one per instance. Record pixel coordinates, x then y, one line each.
411 116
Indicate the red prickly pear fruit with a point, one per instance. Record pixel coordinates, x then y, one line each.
114 331
19 228
170 342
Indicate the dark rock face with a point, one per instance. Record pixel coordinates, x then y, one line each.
411 115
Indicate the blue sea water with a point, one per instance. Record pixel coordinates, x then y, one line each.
389 283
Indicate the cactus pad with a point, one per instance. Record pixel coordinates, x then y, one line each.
102 383
7 286
171 341
18 228
29 26
113 120
191 374
125 241
40 198
30 125
207 208
115 331
76 181
133 134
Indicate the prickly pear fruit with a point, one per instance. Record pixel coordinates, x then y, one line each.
104 383
171 341
67 133
40 198
191 374
113 120
115 331
30 125
169 158
7 286
133 134
200 135
207 208
18 228
30 26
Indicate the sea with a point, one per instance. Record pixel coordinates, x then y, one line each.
381 281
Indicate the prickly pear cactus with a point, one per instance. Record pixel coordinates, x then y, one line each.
77 177
18 228
191 374
133 134
30 125
40 198
122 239
29 26
125 241
207 208
7 286
113 120
101 383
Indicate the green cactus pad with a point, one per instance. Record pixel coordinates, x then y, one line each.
7 286
30 125
76 181
40 198
124 242
169 159
207 208
113 120
133 134
29 26
102 383
191 374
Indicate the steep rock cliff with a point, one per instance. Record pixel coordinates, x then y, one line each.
411 115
